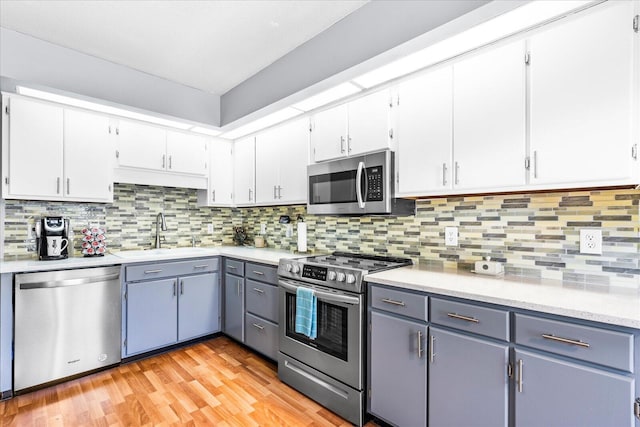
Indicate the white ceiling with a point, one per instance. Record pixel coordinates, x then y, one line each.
212 45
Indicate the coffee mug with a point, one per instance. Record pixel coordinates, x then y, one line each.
55 245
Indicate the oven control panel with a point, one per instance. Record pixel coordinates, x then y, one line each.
330 276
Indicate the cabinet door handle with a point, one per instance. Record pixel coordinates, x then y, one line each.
444 174
163 160
174 288
255 325
213 196
238 287
259 273
456 173
393 302
565 340
58 185
275 194
461 317
342 144
535 163
152 271
181 287
432 349
420 351
68 186
170 161
250 194
349 143
260 291
520 363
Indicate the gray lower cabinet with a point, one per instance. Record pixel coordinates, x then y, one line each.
468 381
234 306
166 303
553 392
398 369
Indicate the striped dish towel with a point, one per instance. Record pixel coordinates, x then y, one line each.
306 318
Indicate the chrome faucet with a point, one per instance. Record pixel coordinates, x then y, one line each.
160 223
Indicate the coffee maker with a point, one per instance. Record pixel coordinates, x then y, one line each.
52 234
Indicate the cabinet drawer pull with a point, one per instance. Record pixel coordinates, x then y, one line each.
231 267
520 363
420 350
393 302
565 340
260 291
461 317
255 325
152 271
201 266
259 273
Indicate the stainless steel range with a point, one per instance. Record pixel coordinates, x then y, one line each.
330 369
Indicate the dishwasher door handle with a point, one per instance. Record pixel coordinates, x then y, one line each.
69 282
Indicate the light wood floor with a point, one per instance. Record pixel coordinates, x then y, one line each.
217 382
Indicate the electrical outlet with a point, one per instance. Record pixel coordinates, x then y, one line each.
591 241
289 232
210 228
263 228
451 236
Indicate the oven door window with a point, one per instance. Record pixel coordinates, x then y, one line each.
332 327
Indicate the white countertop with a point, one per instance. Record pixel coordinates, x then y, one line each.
622 309
261 255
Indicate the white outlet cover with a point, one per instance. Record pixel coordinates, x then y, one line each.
451 236
263 228
210 228
591 241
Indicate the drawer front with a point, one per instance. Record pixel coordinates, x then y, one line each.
134 273
471 318
264 273
608 348
261 335
262 299
400 302
234 267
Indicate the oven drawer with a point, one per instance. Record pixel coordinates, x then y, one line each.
135 273
398 301
261 272
602 346
261 335
233 266
262 299
471 318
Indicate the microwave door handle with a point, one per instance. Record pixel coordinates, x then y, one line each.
359 185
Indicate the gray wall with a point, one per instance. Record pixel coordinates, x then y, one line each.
371 30
30 60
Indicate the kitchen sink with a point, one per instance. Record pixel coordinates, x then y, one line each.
149 253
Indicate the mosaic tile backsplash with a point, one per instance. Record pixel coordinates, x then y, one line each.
534 235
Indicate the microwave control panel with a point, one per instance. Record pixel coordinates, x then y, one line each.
375 184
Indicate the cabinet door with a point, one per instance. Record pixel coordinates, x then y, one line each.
558 393
234 306
269 150
141 146
581 103
329 133
186 153
35 149
244 167
468 381
369 123
152 310
489 119
88 154
398 374
424 133
221 173
198 306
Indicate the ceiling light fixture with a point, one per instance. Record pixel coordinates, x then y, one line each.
88 105
323 98
262 123
524 17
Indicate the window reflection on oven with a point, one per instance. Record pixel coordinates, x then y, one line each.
332 328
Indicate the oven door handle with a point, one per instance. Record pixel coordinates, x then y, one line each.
321 295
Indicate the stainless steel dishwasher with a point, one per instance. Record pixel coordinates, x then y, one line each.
66 323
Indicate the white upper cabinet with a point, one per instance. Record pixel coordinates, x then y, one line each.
489 132
88 154
424 134
186 153
220 191
54 153
582 92
358 127
281 164
244 167
141 146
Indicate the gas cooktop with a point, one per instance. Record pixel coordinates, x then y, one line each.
340 270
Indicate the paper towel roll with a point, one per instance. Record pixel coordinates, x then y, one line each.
302 237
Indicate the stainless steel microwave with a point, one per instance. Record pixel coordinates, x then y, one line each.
356 186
